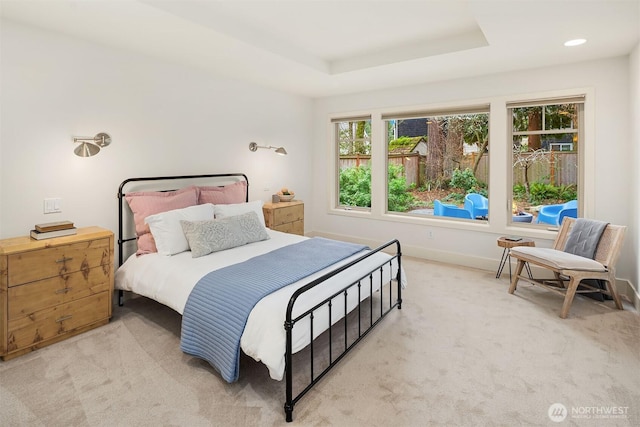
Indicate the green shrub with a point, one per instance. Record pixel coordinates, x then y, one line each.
399 197
541 193
519 192
355 188
567 192
464 180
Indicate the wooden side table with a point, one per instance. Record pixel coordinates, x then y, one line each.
507 243
287 217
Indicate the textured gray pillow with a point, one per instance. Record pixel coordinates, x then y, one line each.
214 235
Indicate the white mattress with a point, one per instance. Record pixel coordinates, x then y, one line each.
170 279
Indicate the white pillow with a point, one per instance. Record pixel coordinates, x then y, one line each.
224 211
167 231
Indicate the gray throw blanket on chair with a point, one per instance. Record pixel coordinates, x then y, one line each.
583 240
584 237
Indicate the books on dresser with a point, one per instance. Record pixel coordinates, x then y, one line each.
39 235
54 226
53 229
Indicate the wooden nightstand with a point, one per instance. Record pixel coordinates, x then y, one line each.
285 216
53 289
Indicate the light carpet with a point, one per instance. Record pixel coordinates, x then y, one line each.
461 352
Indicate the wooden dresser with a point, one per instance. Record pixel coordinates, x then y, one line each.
285 216
53 289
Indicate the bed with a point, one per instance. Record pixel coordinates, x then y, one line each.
326 310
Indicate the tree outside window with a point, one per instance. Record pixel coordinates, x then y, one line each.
546 143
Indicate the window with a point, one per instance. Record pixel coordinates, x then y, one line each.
546 139
435 159
561 146
353 136
408 164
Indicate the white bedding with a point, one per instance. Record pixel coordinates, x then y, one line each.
170 279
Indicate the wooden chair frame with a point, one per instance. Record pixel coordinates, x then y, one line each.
566 281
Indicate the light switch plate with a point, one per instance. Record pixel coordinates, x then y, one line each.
53 205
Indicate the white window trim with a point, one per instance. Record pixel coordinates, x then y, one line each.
334 199
500 164
511 134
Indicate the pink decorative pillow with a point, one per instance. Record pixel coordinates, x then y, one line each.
145 203
229 194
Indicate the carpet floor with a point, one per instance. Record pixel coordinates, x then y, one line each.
461 352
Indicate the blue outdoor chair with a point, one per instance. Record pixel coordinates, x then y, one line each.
442 209
553 214
477 205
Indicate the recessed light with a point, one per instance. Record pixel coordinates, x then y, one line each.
575 42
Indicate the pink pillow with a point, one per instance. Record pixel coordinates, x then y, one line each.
229 194
145 203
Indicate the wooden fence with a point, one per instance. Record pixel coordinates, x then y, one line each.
556 167
412 163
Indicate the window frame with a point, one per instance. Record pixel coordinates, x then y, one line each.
580 101
336 156
500 164
462 110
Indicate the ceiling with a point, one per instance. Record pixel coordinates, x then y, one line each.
321 48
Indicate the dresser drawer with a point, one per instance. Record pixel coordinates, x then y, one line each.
58 261
296 227
51 322
29 298
288 214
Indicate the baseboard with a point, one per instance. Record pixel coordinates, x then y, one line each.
455 258
627 291
625 288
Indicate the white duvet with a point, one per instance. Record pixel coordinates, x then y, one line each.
170 279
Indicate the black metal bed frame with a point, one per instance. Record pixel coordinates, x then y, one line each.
121 239
328 302
356 286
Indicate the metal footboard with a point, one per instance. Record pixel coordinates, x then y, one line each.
366 291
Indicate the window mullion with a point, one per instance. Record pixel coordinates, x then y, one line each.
378 165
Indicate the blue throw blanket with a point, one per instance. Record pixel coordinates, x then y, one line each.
219 305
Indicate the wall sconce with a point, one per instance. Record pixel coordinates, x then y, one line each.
91 146
253 146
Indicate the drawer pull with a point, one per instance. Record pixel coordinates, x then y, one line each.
64 259
63 290
63 318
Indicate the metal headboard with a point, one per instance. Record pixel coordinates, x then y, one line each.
162 183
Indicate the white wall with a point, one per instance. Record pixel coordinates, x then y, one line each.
164 119
634 148
168 119
476 246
